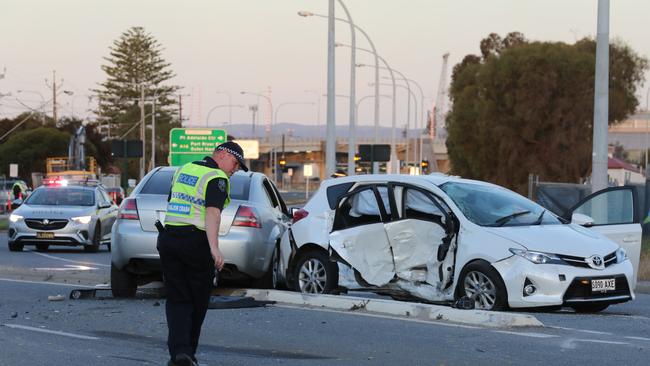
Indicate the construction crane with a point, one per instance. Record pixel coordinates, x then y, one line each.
438 130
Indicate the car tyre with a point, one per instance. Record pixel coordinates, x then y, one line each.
482 283
315 273
270 278
589 308
94 247
15 247
123 283
42 247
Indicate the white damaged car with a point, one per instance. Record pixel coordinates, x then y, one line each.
440 238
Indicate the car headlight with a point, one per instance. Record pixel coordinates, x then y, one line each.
621 255
82 219
15 218
537 257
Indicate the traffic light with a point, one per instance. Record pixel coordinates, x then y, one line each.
283 164
357 157
424 164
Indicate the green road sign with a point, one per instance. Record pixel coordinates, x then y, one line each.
191 144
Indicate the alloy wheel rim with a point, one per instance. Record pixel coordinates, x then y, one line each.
312 277
481 289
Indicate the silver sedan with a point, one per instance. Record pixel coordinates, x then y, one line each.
63 215
249 235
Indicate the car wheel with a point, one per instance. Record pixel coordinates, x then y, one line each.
589 308
15 247
270 279
94 247
42 247
123 284
315 273
481 282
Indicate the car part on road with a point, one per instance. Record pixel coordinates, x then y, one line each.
482 283
315 273
123 284
236 302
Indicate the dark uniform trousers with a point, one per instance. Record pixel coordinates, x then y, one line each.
188 269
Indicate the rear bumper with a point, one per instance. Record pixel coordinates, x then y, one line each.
244 250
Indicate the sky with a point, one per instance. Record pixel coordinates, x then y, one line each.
219 48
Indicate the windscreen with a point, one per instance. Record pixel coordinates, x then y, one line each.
496 206
62 197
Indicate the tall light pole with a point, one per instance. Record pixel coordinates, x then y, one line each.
422 113
230 105
374 51
393 154
408 113
207 119
271 155
601 100
330 139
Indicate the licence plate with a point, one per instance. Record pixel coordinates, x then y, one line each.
42 235
608 284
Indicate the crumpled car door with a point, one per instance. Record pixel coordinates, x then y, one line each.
359 238
417 237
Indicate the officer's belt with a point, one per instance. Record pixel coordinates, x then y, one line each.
181 229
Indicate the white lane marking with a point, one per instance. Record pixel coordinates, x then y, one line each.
639 338
70 260
527 334
433 322
72 335
580 330
599 341
45 283
67 267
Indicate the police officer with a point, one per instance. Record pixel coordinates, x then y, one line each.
189 245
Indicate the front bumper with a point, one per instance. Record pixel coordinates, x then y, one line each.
558 285
73 234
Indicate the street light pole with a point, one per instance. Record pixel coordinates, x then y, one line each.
330 139
394 114
374 51
421 126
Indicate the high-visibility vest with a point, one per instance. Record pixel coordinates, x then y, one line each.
187 202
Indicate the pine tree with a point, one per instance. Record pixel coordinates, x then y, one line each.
135 62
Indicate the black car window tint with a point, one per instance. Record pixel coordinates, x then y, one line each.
283 206
240 187
336 191
159 182
269 193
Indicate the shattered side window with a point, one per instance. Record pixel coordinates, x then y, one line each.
418 205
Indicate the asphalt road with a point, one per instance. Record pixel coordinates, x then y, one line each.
36 331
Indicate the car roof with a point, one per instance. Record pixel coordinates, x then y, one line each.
435 178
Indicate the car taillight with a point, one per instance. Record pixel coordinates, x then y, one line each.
299 215
246 216
128 210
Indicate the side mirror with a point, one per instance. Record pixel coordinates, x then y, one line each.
105 206
581 219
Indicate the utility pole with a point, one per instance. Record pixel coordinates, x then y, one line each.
601 100
330 140
142 131
55 89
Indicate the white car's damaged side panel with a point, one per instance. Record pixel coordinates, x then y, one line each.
366 249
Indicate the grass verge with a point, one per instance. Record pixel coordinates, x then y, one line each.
4 223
